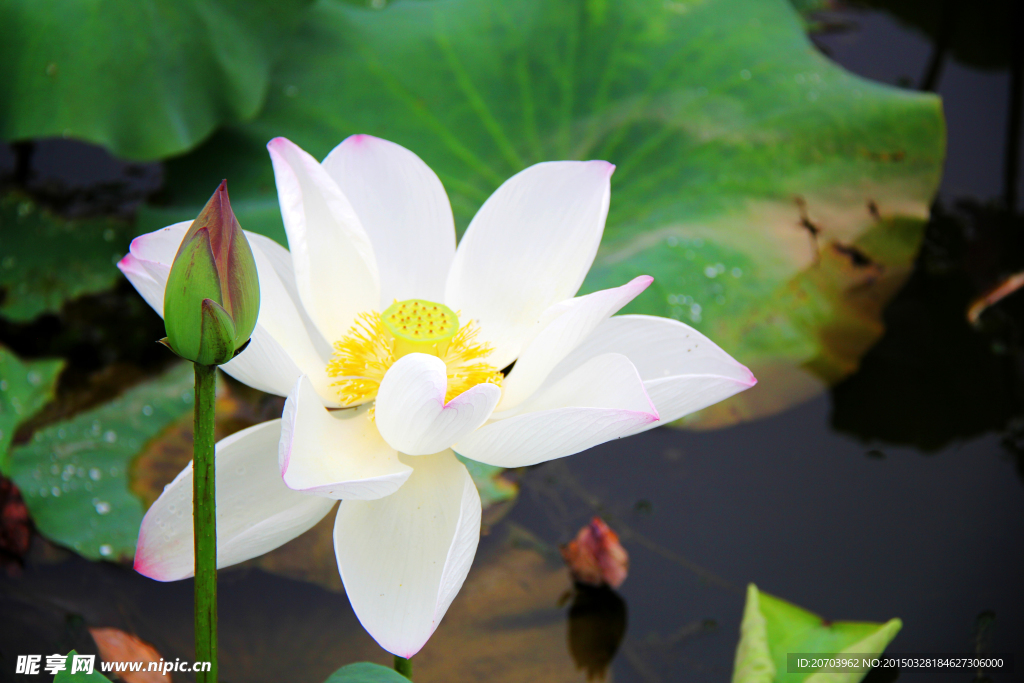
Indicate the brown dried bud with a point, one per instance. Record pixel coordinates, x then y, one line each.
595 557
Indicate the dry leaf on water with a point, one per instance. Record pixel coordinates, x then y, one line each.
994 295
117 646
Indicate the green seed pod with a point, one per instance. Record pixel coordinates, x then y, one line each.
213 295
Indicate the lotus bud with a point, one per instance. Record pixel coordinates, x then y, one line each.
213 295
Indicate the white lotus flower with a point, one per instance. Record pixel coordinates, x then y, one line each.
372 257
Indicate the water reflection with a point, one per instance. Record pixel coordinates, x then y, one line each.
882 676
934 378
596 626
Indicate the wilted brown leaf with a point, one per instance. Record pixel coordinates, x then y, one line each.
115 645
994 295
15 526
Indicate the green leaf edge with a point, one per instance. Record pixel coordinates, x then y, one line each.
489 484
49 371
66 677
366 672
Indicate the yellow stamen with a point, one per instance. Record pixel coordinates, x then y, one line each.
376 341
361 359
464 372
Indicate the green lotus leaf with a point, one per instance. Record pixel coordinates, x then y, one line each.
144 79
74 475
24 389
777 199
492 487
48 260
773 628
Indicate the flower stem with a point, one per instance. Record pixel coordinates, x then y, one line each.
403 666
204 516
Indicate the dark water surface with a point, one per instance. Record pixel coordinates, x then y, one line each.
808 514
899 494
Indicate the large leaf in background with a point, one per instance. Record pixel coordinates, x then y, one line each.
777 200
24 389
773 628
73 475
191 66
47 260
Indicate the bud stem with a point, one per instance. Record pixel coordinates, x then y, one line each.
204 516
403 666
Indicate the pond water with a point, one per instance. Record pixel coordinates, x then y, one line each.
898 494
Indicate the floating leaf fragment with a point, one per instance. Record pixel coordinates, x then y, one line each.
772 628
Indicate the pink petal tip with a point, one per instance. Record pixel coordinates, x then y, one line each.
128 264
279 142
141 564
